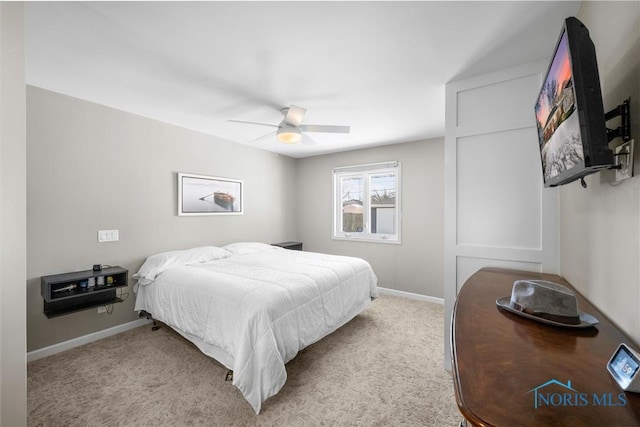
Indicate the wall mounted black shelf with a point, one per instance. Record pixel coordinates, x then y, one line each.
71 292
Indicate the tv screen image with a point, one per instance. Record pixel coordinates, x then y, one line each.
557 119
569 113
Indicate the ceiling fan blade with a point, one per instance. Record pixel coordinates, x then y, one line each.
325 128
294 115
307 140
253 123
263 138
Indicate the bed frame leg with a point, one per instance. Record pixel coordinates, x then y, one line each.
155 326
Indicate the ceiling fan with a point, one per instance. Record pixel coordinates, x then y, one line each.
290 128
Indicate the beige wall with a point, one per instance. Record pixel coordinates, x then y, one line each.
414 266
13 377
600 225
91 168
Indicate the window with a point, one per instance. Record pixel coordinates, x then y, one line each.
367 202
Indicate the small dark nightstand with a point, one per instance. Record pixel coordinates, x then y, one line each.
295 246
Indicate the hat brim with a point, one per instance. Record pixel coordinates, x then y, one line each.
586 320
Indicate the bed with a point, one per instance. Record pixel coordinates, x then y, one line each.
253 306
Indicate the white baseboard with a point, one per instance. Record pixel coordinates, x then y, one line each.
411 295
75 342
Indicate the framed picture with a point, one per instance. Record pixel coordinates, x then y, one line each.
208 195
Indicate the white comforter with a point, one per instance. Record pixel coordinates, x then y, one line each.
254 310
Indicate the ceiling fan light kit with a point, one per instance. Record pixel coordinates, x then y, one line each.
291 128
288 134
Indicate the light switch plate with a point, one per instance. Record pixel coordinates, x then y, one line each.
108 236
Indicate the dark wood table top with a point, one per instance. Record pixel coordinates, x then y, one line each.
512 371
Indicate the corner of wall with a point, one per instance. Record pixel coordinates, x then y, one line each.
13 379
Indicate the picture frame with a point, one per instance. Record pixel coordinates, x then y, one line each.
209 195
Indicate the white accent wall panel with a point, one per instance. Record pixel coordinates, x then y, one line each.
495 104
466 266
490 167
497 211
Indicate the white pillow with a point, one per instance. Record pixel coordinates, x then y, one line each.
241 248
156 264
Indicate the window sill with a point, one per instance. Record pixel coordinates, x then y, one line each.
368 240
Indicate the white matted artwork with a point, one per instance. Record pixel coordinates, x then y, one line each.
209 195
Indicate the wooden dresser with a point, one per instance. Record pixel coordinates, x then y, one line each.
511 371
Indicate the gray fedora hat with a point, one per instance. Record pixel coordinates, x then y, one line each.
546 302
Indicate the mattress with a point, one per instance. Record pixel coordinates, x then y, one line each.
254 306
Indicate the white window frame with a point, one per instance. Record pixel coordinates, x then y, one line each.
366 171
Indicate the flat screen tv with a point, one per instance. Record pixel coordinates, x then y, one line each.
572 132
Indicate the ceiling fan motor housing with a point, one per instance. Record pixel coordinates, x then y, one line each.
288 134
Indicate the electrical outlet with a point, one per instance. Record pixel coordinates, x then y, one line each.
624 159
102 309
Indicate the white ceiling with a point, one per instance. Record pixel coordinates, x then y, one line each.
380 67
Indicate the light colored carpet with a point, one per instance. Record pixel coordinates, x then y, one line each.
383 368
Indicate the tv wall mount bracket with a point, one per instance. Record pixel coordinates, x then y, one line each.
624 130
623 153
